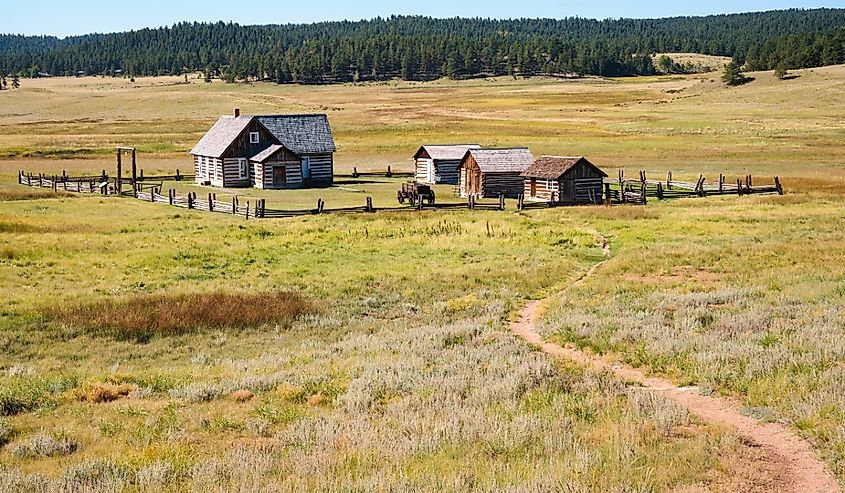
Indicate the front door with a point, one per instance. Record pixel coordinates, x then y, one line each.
533 187
280 176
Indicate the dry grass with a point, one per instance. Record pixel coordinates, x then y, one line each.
144 316
106 392
26 193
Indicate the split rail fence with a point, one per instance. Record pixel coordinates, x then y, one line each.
622 191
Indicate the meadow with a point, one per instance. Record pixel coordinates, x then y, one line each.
387 364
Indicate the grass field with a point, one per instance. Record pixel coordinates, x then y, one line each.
388 366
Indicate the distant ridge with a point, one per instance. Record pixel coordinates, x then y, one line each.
422 48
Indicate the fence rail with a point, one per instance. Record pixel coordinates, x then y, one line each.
621 191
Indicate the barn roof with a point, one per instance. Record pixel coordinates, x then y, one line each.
220 136
510 160
450 152
302 134
266 153
554 167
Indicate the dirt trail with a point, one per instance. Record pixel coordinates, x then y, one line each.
788 459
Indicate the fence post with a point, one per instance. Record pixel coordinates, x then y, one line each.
210 203
79 185
739 187
389 172
778 186
721 183
54 185
669 180
369 204
64 175
246 214
660 191
501 201
354 172
190 201
520 202
170 194
234 205
178 178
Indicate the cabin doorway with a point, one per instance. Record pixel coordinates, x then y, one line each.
473 182
306 168
280 176
533 187
430 168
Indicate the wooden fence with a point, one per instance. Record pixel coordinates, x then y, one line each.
63 182
622 191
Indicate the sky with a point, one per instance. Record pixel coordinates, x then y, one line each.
69 17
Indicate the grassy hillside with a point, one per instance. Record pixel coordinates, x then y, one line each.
395 370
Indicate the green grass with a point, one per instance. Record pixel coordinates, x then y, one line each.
404 376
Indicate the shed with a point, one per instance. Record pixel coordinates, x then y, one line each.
564 180
436 164
493 172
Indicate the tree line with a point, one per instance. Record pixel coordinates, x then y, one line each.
423 48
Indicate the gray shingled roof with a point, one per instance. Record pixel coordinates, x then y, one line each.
215 142
302 134
502 160
554 167
451 152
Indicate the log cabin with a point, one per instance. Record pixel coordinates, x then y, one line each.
564 180
438 164
267 151
493 172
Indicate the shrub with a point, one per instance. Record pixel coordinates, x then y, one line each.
45 445
106 392
242 395
22 395
6 432
143 316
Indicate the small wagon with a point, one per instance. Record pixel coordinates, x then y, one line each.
414 193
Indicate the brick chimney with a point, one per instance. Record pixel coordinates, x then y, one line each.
237 112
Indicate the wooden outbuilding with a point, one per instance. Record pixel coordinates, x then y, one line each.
436 164
564 180
269 151
493 172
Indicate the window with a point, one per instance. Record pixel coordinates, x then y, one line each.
306 167
254 138
243 168
548 184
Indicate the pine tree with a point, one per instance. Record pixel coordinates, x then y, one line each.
780 71
733 75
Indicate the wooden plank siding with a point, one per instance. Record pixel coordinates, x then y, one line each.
421 169
293 175
445 171
473 181
544 190
322 169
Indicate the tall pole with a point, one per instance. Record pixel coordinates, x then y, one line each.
134 175
118 182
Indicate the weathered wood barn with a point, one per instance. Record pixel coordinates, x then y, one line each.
436 164
564 180
493 172
270 151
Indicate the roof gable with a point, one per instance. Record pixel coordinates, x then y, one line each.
266 154
554 167
512 160
450 152
301 134
221 135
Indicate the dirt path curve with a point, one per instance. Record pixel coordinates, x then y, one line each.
788 457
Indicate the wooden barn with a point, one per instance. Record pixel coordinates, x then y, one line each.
493 172
270 151
437 164
564 180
